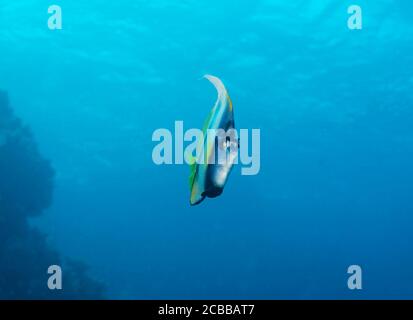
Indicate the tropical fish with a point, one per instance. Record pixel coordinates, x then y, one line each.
209 177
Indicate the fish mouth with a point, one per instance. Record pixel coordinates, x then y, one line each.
213 192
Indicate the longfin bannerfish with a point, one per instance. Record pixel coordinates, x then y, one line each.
208 178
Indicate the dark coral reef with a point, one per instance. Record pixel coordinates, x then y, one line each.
26 188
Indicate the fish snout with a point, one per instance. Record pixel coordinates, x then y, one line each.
213 191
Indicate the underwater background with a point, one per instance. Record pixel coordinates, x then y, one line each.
78 186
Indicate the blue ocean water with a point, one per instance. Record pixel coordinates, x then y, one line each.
335 110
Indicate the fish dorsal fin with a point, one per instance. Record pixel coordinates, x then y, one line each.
222 92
